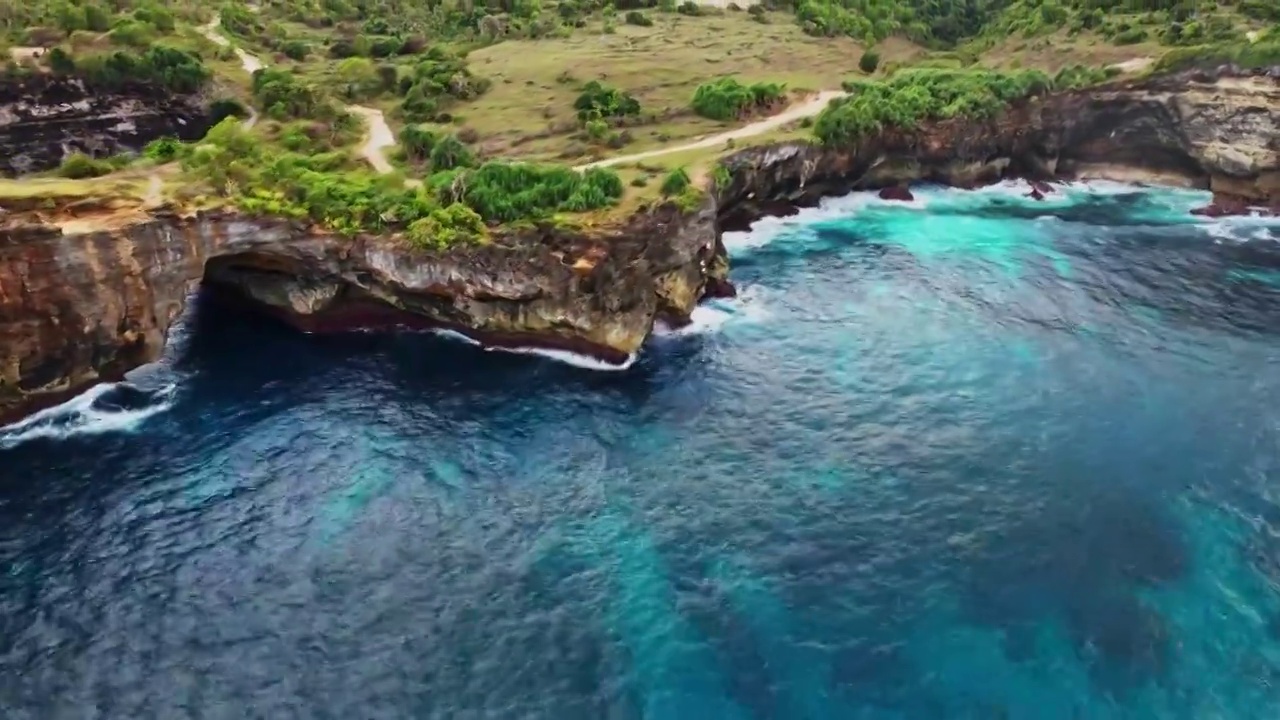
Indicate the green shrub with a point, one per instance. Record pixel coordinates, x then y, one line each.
869 61
455 224
61 62
727 99
689 8
175 70
418 141
507 192
163 149
133 33
283 95
911 97
675 183
1264 53
78 165
1131 36
635 17
295 49
599 101
449 153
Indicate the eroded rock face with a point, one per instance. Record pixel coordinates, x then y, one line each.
79 308
1219 132
43 119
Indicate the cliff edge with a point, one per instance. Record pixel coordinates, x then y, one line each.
1218 132
90 298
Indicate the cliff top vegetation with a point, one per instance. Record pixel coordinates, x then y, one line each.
468 87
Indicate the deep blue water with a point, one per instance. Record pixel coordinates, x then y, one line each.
970 457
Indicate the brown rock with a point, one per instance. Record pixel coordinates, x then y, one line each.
83 307
896 192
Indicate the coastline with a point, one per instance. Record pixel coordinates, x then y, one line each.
98 303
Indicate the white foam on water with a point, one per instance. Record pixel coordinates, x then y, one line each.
455 335
78 416
585 362
713 315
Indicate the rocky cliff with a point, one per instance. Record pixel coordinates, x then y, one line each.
44 118
76 308
90 300
1218 132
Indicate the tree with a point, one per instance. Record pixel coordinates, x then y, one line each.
450 153
869 61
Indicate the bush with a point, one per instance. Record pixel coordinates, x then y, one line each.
164 149
133 33
418 141
449 153
675 183
283 95
1131 36
295 49
869 61
173 69
911 97
60 61
1264 53
689 8
755 10
634 17
727 99
507 192
453 225
78 165
599 101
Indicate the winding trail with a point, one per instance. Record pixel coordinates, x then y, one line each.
378 135
799 111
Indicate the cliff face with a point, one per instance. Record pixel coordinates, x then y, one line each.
76 307
42 119
1220 133
79 308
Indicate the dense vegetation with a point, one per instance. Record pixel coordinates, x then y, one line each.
261 177
945 23
727 99
1265 52
173 69
914 96
604 102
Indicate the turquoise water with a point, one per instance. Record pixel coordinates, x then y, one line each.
968 457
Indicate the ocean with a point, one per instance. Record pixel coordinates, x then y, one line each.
972 456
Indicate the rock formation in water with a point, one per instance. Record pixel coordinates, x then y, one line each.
79 308
83 305
1218 132
45 118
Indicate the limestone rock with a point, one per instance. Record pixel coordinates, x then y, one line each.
45 118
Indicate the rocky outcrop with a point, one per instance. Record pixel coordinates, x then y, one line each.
1219 132
44 118
80 306
76 308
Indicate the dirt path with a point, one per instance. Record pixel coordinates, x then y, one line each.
1137 64
377 137
799 111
